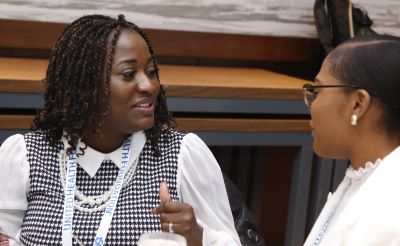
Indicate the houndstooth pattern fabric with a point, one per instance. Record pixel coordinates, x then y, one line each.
42 224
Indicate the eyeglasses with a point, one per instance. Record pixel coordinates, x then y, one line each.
310 92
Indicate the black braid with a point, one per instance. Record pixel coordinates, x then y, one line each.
76 91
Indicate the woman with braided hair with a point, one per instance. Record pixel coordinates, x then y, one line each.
103 163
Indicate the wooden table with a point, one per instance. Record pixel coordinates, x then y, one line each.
207 88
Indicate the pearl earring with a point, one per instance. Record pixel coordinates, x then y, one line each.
353 120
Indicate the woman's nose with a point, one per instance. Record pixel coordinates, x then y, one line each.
147 84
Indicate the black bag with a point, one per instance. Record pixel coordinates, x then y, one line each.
244 222
339 20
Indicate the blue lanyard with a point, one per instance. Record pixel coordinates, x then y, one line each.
70 184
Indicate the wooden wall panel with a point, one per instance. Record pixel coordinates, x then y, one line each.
40 36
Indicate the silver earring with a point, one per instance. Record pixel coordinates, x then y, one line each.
353 120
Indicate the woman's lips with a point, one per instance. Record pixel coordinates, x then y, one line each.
145 108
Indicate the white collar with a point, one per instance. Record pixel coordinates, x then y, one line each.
92 159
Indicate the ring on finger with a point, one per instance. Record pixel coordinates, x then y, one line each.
171 227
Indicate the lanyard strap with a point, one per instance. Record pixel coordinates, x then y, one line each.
70 180
322 231
111 204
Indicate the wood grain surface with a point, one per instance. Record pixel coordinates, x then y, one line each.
19 75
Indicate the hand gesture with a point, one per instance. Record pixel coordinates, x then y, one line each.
176 217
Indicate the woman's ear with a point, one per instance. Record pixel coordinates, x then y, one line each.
361 101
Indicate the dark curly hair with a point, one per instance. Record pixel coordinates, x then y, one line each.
77 81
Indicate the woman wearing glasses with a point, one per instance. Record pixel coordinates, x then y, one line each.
355 114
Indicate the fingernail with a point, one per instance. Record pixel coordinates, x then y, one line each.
153 211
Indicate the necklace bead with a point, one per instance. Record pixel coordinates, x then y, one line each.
92 204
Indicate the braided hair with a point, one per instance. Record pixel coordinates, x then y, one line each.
77 81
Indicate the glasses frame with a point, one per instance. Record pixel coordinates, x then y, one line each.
309 92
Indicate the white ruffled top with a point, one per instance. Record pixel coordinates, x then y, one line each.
357 178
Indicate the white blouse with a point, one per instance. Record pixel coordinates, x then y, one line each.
364 209
356 178
197 172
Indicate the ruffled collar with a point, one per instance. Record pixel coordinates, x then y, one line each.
362 172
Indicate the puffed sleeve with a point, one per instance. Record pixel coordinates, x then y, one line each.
200 184
14 182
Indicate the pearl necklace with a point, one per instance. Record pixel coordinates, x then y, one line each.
92 204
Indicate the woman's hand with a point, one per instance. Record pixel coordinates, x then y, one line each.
180 215
4 240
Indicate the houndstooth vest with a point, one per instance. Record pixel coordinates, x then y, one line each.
42 224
